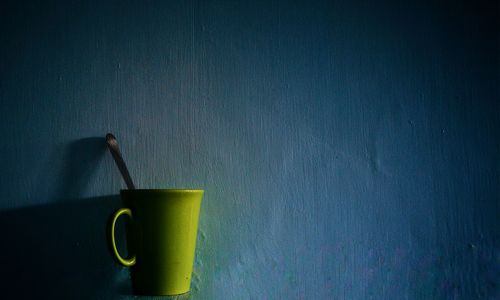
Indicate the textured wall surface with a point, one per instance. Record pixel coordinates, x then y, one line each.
349 149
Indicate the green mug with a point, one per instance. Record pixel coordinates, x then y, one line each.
161 238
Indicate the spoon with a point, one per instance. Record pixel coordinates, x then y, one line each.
115 152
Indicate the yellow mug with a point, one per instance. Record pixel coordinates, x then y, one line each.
161 238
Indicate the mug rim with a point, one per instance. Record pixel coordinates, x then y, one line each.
182 190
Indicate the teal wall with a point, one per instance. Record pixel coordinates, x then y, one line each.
349 149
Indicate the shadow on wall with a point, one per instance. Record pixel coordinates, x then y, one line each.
60 250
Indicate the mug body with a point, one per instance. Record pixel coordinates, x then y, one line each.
162 236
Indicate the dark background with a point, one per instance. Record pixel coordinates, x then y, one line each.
348 149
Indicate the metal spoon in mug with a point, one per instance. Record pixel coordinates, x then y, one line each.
115 152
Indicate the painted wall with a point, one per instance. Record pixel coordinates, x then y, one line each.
349 149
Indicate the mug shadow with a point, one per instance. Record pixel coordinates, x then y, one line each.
60 251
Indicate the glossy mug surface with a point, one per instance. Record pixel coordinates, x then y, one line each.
161 238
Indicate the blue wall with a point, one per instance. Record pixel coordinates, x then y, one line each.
349 149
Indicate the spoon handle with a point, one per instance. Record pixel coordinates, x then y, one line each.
115 152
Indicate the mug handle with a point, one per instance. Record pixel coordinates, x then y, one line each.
127 262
